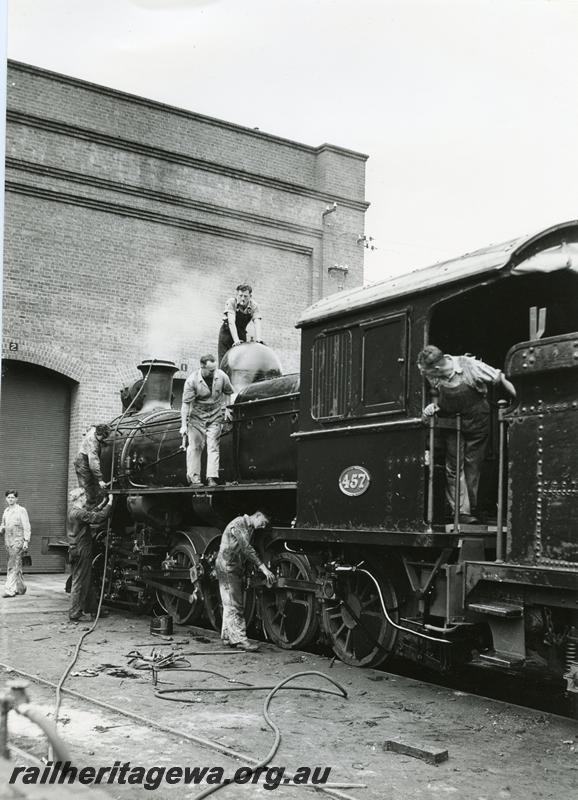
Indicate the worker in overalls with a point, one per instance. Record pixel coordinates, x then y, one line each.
81 516
235 553
203 411
87 464
461 383
15 526
239 312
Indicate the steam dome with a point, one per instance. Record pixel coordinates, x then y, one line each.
250 362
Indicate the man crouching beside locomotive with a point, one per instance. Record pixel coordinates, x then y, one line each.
81 516
462 386
202 415
235 553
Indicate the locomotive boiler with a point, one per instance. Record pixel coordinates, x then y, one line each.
367 560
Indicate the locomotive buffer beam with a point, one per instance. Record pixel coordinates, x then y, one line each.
167 589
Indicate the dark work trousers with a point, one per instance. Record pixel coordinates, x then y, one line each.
82 596
87 481
475 425
472 453
225 338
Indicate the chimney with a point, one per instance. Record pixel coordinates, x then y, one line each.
158 386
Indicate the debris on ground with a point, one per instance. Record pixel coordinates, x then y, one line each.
432 755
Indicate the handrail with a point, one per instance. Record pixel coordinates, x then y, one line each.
458 478
430 485
455 424
502 405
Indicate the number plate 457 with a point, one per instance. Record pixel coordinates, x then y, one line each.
354 481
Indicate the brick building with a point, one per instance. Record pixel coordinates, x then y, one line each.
128 224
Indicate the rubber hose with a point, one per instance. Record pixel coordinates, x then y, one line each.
274 727
179 734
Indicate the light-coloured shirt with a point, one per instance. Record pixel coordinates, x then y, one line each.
201 402
90 448
15 524
468 370
251 310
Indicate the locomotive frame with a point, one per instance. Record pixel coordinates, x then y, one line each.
376 569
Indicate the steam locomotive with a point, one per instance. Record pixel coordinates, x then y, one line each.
365 556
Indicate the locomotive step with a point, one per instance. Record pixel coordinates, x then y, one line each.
504 610
499 659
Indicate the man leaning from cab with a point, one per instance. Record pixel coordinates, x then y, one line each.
461 384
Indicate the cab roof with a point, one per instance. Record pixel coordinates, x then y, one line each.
549 250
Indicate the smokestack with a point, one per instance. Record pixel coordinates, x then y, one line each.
158 386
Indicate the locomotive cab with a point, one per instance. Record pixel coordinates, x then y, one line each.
487 321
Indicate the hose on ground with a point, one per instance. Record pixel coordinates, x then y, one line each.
163 694
178 733
271 723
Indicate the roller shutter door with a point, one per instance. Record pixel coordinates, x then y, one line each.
34 432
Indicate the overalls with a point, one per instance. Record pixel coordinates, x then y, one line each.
234 553
14 540
242 319
204 424
473 407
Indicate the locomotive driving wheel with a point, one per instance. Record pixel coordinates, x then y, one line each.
289 614
181 610
354 620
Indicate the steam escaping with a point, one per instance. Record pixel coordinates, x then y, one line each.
183 316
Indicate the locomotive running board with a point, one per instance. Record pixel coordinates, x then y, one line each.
225 487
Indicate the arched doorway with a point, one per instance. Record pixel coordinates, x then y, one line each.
34 434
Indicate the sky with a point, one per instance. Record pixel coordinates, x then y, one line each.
467 109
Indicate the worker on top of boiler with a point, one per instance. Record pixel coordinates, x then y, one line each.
202 413
239 312
87 463
462 386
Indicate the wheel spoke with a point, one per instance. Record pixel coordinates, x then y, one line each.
347 640
289 615
356 625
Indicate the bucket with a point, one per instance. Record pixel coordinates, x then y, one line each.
162 625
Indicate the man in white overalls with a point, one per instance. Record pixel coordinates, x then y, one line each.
16 529
202 415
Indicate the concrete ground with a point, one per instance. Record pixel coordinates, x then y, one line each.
495 750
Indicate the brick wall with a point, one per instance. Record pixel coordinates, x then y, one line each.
128 223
